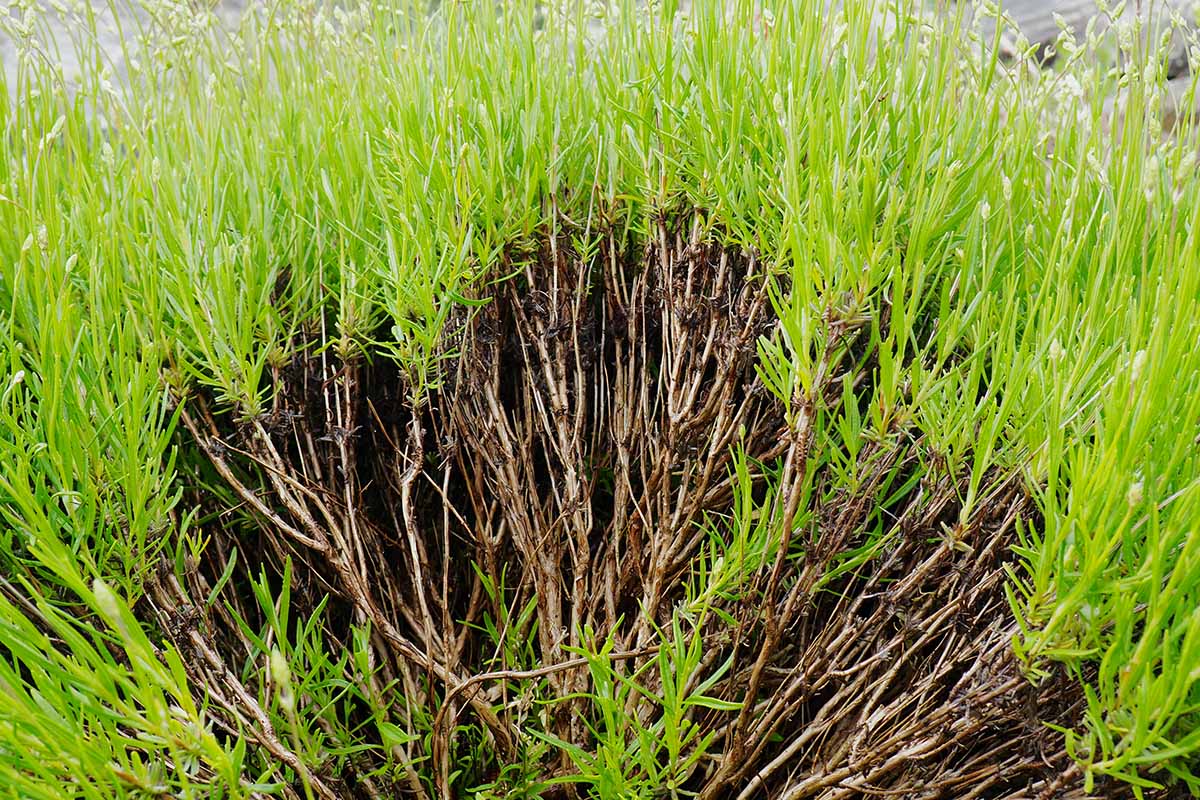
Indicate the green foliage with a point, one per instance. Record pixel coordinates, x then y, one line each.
342 181
633 759
92 708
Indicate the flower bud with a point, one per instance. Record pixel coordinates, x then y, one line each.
281 676
106 602
1137 365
